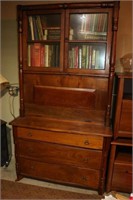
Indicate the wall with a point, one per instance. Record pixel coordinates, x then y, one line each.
124 35
9 53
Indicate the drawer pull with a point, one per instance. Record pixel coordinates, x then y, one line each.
84 178
29 134
86 142
32 167
85 160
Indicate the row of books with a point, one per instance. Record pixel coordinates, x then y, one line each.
91 27
87 57
38 32
94 23
40 55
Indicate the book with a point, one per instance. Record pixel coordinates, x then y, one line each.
45 34
97 59
54 34
46 55
71 33
93 58
31 27
84 55
57 55
39 27
70 59
36 55
90 57
35 29
80 58
42 58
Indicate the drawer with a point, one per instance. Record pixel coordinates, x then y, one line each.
122 177
79 140
59 173
55 153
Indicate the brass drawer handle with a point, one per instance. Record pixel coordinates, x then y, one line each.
29 134
84 178
32 167
85 160
86 142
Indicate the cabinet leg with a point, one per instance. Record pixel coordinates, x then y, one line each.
19 177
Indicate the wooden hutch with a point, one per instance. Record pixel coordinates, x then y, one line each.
66 70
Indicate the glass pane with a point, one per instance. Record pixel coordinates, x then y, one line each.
88 26
87 56
43 27
40 55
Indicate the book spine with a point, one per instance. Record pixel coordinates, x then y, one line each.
90 57
83 56
76 57
93 58
70 59
31 27
46 55
57 55
80 58
36 35
39 27
42 56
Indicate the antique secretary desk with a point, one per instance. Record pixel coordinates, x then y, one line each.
66 69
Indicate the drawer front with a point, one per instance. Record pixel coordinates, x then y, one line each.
59 173
122 178
86 141
123 167
54 153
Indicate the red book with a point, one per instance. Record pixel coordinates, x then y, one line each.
36 55
42 56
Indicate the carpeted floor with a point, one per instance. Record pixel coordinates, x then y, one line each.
16 190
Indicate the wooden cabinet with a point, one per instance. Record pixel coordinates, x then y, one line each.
120 165
123 114
66 70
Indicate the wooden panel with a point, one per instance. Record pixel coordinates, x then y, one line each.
64 96
122 177
61 138
59 154
59 173
70 81
126 116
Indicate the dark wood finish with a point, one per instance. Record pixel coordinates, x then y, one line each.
120 162
60 173
60 154
123 114
63 133
84 146
120 166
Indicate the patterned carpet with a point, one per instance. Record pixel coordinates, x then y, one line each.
16 190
